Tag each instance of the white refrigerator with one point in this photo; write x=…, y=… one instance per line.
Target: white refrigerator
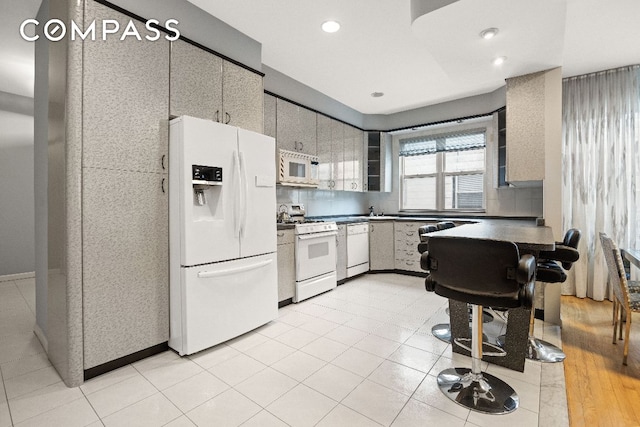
x=222, y=233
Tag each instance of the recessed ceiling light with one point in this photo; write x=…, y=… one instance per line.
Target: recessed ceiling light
x=499, y=60
x=377, y=94
x=330, y=26
x=489, y=33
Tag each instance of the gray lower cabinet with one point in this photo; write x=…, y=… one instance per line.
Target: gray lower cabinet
x=406, y=246
x=381, y=245
x=286, y=265
x=341, y=252
x=295, y=128
x=125, y=99
x=125, y=263
x=206, y=86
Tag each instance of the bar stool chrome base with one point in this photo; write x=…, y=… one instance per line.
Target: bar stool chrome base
x=544, y=351
x=539, y=350
x=479, y=392
x=442, y=331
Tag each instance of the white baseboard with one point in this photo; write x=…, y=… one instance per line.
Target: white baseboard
x=18, y=276
x=43, y=339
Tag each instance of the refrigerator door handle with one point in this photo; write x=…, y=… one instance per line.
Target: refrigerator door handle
x=245, y=192
x=236, y=202
x=229, y=271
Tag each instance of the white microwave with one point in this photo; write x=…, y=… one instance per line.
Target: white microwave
x=297, y=169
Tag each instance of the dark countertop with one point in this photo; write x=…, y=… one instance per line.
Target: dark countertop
x=287, y=226
x=352, y=219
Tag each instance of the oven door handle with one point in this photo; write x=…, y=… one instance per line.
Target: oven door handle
x=317, y=235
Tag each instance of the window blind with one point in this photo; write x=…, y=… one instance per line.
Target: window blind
x=429, y=144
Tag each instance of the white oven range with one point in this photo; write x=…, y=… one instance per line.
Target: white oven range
x=315, y=254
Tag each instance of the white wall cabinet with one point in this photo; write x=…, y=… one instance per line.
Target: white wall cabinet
x=406, y=242
x=381, y=245
x=207, y=86
x=295, y=128
x=286, y=265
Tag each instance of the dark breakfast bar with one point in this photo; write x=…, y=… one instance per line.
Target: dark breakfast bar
x=529, y=239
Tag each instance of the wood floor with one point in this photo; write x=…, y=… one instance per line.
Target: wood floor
x=601, y=391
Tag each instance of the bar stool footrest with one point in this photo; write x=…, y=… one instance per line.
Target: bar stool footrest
x=494, y=349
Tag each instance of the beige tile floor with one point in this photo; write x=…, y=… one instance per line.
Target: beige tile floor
x=361, y=355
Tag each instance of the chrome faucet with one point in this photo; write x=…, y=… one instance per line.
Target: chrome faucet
x=371, y=211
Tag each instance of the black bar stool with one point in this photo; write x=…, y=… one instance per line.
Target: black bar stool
x=482, y=273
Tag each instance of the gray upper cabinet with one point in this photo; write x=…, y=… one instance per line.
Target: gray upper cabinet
x=325, y=170
x=353, y=159
x=125, y=99
x=206, y=86
x=295, y=128
x=270, y=115
x=341, y=155
x=125, y=263
x=337, y=155
x=196, y=82
x=242, y=97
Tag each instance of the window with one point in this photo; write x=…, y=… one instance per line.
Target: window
x=443, y=172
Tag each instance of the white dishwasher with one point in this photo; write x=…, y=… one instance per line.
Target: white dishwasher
x=357, y=248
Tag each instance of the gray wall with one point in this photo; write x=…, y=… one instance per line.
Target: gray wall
x=285, y=86
x=16, y=184
x=41, y=135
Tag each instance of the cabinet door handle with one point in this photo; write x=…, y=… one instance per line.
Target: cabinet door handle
x=355, y=185
x=162, y=185
x=218, y=116
x=280, y=234
x=228, y=116
x=162, y=161
x=372, y=229
x=301, y=146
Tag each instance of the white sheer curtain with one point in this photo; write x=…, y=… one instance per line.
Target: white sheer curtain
x=601, y=170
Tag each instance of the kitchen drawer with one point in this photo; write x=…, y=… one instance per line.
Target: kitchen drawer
x=407, y=253
x=407, y=233
x=407, y=225
x=409, y=265
x=407, y=244
x=285, y=236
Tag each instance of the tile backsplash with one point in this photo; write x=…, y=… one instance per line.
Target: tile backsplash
x=324, y=202
x=507, y=201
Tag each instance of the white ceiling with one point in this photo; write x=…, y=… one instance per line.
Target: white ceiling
x=441, y=56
